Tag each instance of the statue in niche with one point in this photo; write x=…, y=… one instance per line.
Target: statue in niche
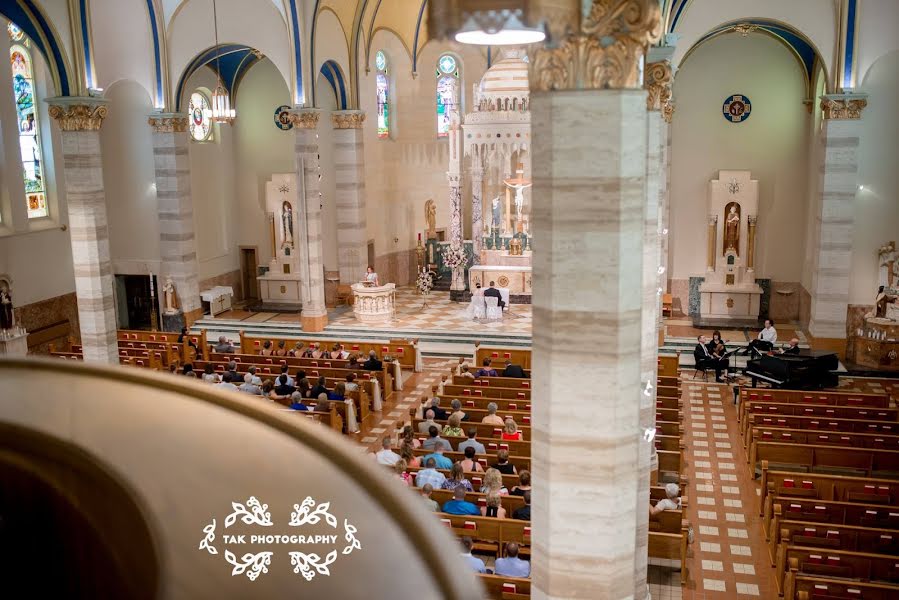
x=888, y=264
x=431, y=218
x=732, y=228
x=287, y=224
x=6, y=316
x=171, y=297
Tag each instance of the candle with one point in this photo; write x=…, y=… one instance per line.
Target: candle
x=419, y=237
x=152, y=287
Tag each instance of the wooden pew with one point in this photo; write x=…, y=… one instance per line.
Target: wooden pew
x=837, y=563
x=520, y=462
x=829, y=536
x=824, y=487
x=482, y=402
x=820, y=424
x=670, y=546
x=485, y=430
x=402, y=350
x=489, y=533
x=502, y=382
x=877, y=441
x=332, y=418
x=823, y=397
x=505, y=588
x=499, y=356
x=492, y=445
x=510, y=503
x=822, y=411
x=807, y=587
x=668, y=365
x=492, y=392
x=865, y=460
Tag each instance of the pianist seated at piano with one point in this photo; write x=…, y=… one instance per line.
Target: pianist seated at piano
x=793, y=348
x=765, y=341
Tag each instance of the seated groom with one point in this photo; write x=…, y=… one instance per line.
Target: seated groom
x=705, y=360
x=492, y=291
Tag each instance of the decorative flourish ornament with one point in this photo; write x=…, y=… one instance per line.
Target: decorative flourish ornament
x=605, y=53
x=744, y=29
x=79, y=117
x=348, y=119
x=843, y=108
x=172, y=123
x=657, y=81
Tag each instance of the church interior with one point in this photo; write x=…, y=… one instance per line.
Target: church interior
x=430, y=263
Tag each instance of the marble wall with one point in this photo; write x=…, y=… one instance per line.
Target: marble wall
x=397, y=267
x=45, y=313
x=805, y=307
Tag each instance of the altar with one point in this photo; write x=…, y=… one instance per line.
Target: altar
x=730, y=292
x=280, y=287
x=374, y=304
x=515, y=279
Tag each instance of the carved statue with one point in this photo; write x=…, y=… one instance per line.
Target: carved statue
x=888, y=264
x=496, y=210
x=287, y=224
x=431, y=218
x=171, y=296
x=6, y=316
x=732, y=229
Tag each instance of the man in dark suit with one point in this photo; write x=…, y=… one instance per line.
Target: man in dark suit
x=513, y=370
x=372, y=364
x=793, y=348
x=492, y=291
x=704, y=359
x=439, y=413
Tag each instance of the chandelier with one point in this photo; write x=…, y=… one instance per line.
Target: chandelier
x=221, y=101
x=502, y=22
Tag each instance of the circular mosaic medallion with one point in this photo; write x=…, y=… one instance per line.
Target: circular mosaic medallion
x=503, y=281
x=737, y=108
x=282, y=118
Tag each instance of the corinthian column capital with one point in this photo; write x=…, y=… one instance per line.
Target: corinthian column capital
x=844, y=106
x=78, y=114
x=305, y=118
x=657, y=81
x=348, y=119
x=605, y=53
x=169, y=122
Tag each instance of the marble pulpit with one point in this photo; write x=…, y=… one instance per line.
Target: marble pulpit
x=281, y=285
x=730, y=292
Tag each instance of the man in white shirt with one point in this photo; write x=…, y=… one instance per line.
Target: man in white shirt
x=475, y=563
x=672, y=502
x=386, y=456
x=226, y=383
x=248, y=387
x=766, y=339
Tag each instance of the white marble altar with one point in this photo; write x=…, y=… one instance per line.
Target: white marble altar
x=374, y=304
x=516, y=279
x=282, y=283
x=730, y=291
x=218, y=298
x=13, y=342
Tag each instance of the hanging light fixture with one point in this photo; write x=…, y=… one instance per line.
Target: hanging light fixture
x=221, y=101
x=502, y=22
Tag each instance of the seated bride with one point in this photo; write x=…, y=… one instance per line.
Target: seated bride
x=477, y=309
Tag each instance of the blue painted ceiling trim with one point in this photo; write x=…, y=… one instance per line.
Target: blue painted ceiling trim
x=331, y=70
x=86, y=43
x=157, y=54
x=312, y=44
x=850, y=44
x=677, y=10
x=354, y=72
x=234, y=60
x=298, y=57
x=421, y=13
x=29, y=19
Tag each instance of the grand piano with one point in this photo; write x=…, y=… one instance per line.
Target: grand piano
x=810, y=369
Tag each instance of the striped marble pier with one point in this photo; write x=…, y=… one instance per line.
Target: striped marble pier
x=349, y=167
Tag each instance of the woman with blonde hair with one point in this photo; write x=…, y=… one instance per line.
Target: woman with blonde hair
x=399, y=468
x=493, y=483
x=494, y=506
x=408, y=455
x=510, y=431
x=454, y=426
x=456, y=479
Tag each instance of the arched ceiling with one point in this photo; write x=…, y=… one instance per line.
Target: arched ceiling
x=170, y=7
x=229, y=61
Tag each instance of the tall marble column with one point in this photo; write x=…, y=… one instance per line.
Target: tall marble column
x=835, y=214
x=177, y=241
x=349, y=165
x=314, y=316
x=456, y=239
x=657, y=81
x=477, y=206
x=79, y=121
x=589, y=132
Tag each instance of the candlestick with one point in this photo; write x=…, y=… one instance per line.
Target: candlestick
x=152, y=287
x=419, y=237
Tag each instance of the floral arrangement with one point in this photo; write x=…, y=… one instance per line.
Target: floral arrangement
x=455, y=256
x=424, y=283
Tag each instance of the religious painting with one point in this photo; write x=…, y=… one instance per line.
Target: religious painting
x=287, y=224
x=731, y=228
x=447, y=93
x=382, y=85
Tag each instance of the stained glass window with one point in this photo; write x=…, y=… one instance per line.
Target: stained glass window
x=382, y=80
x=447, y=93
x=29, y=131
x=200, y=117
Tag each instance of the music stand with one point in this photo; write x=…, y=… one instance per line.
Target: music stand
x=727, y=355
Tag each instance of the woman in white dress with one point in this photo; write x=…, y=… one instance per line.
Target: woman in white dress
x=371, y=278
x=477, y=309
